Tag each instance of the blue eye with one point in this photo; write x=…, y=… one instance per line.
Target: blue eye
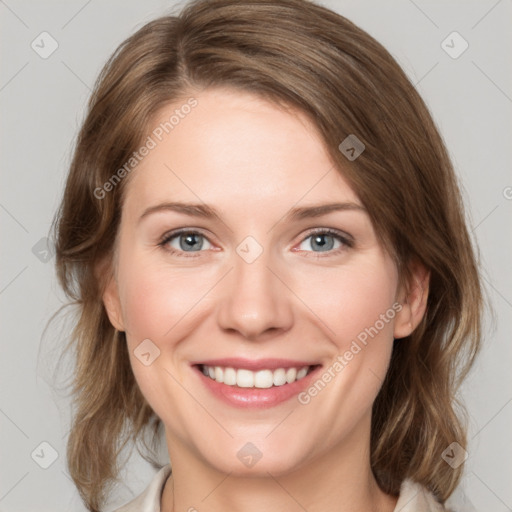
x=324, y=241
x=186, y=241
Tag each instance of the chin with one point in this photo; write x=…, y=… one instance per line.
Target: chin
x=250, y=460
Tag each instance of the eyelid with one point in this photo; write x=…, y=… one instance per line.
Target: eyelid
x=169, y=235
x=345, y=237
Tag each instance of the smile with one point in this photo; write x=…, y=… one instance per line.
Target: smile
x=262, y=379
x=245, y=383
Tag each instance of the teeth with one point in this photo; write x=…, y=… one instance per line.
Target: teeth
x=248, y=379
x=230, y=376
x=264, y=379
x=302, y=373
x=291, y=375
x=244, y=379
x=279, y=377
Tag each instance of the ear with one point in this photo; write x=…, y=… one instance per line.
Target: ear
x=413, y=297
x=111, y=298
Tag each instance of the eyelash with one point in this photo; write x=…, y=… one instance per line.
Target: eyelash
x=340, y=236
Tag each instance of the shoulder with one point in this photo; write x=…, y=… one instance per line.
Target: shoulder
x=414, y=497
x=149, y=500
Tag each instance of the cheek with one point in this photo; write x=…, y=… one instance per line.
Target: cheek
x=160, y=304
x=352, y=301
x=159, y=301
x=151, y=304
x=356, y=308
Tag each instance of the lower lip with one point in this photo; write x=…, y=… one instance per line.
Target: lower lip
x=256, y=397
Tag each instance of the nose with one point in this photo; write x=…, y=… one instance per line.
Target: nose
x=255, y=303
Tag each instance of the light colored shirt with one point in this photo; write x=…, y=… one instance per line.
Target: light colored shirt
x=413, y=497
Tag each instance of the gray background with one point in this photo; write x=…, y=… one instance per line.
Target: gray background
x=42, y=102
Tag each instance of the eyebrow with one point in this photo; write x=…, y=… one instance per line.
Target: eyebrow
x=208, y=212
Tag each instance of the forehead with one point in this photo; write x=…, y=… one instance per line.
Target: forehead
x=236, y=146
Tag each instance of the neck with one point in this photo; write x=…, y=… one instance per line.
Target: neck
x=338, y=481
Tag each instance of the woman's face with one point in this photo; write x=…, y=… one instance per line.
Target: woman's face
x=263, y=284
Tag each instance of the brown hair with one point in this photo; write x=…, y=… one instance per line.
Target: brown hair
x=296, y=53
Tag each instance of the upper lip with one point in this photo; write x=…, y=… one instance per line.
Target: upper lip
x=255, y=364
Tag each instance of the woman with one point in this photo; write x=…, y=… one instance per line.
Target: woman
x=264, y=236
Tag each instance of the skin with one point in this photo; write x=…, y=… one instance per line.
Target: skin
x=253, y=161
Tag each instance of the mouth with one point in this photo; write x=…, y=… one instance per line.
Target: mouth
x=261, y=379
x=264, y=383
